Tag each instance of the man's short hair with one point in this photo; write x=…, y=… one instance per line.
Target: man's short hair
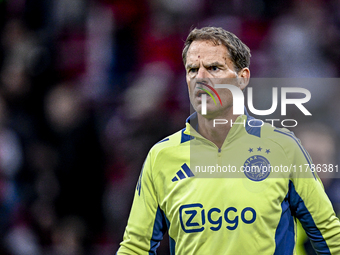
x=238, y=51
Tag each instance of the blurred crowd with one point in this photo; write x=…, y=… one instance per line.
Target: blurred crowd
x=88, y=86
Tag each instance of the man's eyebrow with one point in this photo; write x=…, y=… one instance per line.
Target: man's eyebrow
x=189, y=66
x=215, y=64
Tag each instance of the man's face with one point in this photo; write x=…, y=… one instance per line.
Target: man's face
x=210, y=64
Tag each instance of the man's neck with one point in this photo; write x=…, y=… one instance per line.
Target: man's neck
x=215, y=133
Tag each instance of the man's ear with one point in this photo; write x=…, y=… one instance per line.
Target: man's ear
x=243, y=78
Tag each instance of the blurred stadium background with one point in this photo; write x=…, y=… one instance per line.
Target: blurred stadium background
x=88, y=86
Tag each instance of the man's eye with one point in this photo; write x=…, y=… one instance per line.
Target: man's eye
x=214, y=68
x=193, y=70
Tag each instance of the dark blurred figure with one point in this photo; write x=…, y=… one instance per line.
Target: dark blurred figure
x=11, y=161
x=68, y=237
x=79, y=169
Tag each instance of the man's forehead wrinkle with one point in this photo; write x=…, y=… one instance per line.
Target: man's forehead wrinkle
x=208, y=45
x=208, y=60
x=207, y=50
x=206, y=54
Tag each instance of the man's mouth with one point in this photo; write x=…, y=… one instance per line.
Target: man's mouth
x=200, y=92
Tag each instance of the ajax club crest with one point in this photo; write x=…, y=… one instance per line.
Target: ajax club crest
x=256, y=168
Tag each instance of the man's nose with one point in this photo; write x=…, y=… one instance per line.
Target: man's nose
x=202, y=73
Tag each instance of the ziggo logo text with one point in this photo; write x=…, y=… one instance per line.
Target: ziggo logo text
x=193, y=217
